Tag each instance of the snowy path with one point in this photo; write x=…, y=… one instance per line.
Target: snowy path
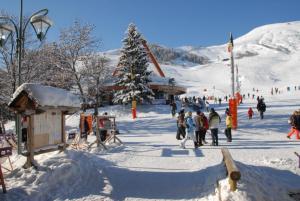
x=151, y=165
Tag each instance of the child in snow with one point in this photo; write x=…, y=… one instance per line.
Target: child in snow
x=228, y=127
x=250, y=113
x=295, y=125
x=190, y=129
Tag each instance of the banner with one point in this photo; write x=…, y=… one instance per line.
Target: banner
x=233, y=112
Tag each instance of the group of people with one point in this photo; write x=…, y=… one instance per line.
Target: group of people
x=194, y=128
x=104, y=125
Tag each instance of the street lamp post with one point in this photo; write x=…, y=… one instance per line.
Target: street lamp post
x=41, y=24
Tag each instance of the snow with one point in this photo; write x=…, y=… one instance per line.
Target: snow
x=152, y=166
x=49, y=96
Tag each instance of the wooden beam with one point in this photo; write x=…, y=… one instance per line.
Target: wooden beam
x=2, y=180
x=233, y=173
x=30, y=141
x=63, y=121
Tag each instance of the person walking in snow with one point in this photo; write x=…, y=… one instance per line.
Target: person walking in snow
x=173, y=108
x=261, y=107
x=295, y=125
x=204, y=128
x=214, y=121
x=228, y=127
x=181, y=125
x=198, y=125
x=190, y=129
x=207, y=106
x=250, y=113
x=227, y=111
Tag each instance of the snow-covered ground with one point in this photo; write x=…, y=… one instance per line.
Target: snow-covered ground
x=151, y=165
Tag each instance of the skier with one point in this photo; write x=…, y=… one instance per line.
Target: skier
x=261, y=107
x=220, y=100
x=190, y=128
x=181, y=125
x=295, y=125
x=214, y=122
x=250, y=113
x=228, y=127
x=173, y=108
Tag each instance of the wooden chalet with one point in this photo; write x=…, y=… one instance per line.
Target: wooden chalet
x=162, y=86
x=45, y=108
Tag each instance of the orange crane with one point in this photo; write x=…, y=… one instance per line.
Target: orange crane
x=160, y=72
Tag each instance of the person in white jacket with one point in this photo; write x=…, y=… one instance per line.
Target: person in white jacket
x=214, y=121
x=190, y=130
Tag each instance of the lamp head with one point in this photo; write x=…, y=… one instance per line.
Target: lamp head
x=5, y=33
x=41, y=25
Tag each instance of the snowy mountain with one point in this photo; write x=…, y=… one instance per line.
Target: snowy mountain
x=266, y=57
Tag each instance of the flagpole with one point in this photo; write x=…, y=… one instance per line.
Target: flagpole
x=233, y=100
x=237, y=79
x=232, y=72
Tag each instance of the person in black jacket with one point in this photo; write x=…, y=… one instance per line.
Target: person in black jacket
x=173, y=108
x=261, y=107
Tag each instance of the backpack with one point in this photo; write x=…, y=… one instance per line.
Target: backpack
x=296, y=121
x=205, y=123
x=263, y=107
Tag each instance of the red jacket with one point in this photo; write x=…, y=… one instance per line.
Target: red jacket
x=250, y=112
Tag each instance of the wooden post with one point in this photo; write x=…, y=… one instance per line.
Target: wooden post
x=114, y=129
x=2, y=180
x=98, y=140
x=30, y=145
x=63, y=122
x=233, y=173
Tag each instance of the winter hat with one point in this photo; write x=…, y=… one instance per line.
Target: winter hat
x=212, y=109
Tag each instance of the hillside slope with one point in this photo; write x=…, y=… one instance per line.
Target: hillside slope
x=266, y=57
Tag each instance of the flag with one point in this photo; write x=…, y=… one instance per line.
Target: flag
x=230, y=43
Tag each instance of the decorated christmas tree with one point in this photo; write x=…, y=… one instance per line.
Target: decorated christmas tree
x=133, y=75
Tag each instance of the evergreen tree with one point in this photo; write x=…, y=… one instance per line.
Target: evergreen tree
x=133, y=73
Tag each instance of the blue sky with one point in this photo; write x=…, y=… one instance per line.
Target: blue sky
x=172, y=23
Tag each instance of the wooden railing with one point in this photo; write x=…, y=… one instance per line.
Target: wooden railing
x=232, y=171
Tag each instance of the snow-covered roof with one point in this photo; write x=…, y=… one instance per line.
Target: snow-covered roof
x=48, y=96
